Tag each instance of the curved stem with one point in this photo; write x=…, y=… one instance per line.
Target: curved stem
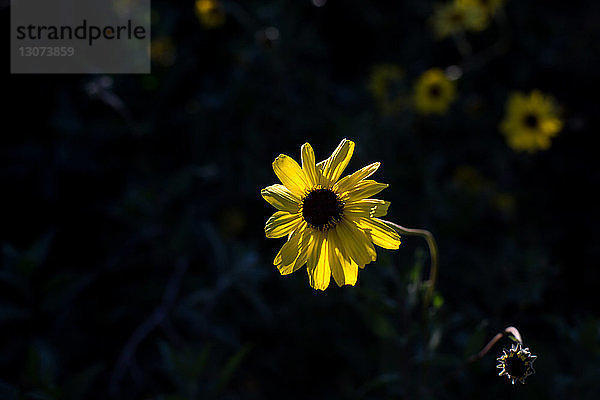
x=433, y=252
x=510, y=330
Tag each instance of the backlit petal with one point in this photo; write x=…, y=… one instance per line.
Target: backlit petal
x=344, y=270
x=282, y=223
x=308, y=165
x=337, y=162
x=381, y=234
x=281, y=198
x=289, y=251
x=367, y=208
x=348, y=182
x=306, y=245
x=350, y=271
x=294, y=252
x=355, y=242
x=363, y=190
x=319, y=271
x=291, y=175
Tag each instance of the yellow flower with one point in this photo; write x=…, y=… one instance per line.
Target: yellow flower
x=530, y=121
x=434, y=92
x=490, y=6
x=458, y=16
x=386, y=86
x=331, y=224
x=210, y=13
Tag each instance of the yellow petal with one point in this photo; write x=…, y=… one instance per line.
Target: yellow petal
x=363, y=189
x=344, y=270
x=308, y=165
x=348, y=182
x=306, y=246
x=291, y=175
x=281, y=198
x=355, y=242
x=281, y=223
x=336, y=163
x=294, y=252
x=321, y=166
x=289, y=251
x=350, y=271
x=319, y=271
x=367, y=208
x=380, y=233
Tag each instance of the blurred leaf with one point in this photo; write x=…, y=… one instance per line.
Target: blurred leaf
x=232, y=365
x=79, y=385
x=8, y=391
x=590, y=336
x=380, y=381
x=39, y=395
x=10, y=313
x=36, y=254
x=41, y=366
x=187, y=365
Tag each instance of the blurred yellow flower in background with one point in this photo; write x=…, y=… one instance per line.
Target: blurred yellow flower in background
x=490, y=6
x=531, y=121
x=470, y=180
x=162, y=51
x=387, y=86
x=458, y=16
x=211, y=13
x=434, y=92
x=331, y=224
x=472, y=183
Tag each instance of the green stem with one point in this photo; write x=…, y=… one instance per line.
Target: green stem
x=433, y=252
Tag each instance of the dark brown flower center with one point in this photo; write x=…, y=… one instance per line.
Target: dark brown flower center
x=456, y=17
x=435, y=91
x=515, y=367
x=531, y=121
x=322, y=209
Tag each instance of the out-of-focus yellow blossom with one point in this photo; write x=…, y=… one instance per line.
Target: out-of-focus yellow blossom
x=491, y=6
x=531, y=121
x=504, y=202
x=470, y=180
x=211, y=13
x=473, y=184
x=387, y=86
x=458, y=16
x=162, y=51
x=434, y=92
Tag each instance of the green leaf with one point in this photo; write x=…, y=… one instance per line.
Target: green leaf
x=232, y=365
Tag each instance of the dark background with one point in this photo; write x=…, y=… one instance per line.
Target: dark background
x=134, y=263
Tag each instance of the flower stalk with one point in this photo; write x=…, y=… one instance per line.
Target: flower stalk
x=433, y=254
